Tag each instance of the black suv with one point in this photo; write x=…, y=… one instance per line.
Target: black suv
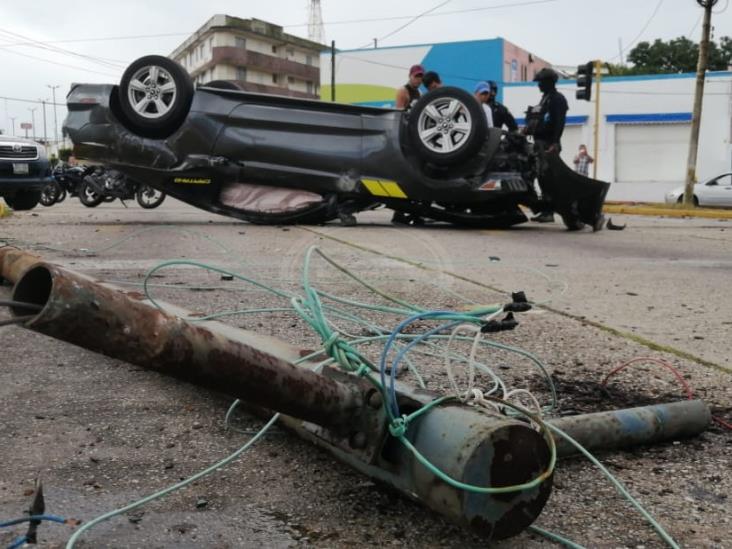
x=24, y=171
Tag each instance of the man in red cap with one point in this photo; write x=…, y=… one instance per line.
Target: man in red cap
x=409, y=92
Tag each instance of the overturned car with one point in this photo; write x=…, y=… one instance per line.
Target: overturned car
x=273, y=160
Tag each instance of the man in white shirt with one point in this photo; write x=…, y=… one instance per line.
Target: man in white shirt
x=482, y=94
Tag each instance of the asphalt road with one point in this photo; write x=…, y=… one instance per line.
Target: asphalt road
x=104, y=433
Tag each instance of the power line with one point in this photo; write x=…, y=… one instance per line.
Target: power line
x=412, y=20
x=63, y=51
x=59, y=64
x=648, y=23
x=31, y=101
x=439, y=14
x=341, y=22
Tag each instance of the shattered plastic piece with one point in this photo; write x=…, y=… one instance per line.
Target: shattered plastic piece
x=613, y=227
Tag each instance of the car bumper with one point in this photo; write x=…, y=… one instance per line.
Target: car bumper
x=15, y=184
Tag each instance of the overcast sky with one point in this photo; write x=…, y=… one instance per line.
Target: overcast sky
x=565, y=32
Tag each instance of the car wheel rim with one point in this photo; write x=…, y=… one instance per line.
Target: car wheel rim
x=89, y=194
x=444, y=125
x=152, y=92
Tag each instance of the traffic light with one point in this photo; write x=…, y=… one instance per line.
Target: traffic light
x=584, y=81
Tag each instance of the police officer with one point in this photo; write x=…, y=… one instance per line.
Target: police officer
x=553, y=110
x=553, y=115
x=501, y=115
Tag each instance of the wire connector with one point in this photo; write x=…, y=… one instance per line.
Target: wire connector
x=519, y=303
x=493, y=326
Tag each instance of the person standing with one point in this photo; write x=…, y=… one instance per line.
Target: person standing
x=431, y=80
x=550, y=127
x=409, y=92
x=482, y=93
x=582, y=161
x=501, y=115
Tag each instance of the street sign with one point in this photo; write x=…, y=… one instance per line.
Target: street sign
x=26, y=126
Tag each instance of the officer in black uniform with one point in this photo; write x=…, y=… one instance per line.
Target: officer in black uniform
x=501, y=115
x=553, y=115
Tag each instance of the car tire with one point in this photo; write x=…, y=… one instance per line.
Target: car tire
x=88, y=196
x=155, y=95
x=24, y=200
x=447, y=126
x=149, y=197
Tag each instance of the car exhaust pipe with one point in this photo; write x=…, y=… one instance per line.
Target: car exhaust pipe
x=338, y=411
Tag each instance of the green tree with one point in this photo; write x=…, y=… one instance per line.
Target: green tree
x=674, y=56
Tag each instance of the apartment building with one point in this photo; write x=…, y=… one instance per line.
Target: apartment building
x=257, y=54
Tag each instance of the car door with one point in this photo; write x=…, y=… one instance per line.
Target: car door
x=717, y=192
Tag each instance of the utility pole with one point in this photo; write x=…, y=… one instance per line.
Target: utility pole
x=598, y=77
x=701, y=69
x=332, y=70
x=33, y=121
x=55, y=117
x=45, y=132
x=376, y=43
x=12, y=121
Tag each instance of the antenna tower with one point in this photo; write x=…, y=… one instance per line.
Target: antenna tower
x=316, y=30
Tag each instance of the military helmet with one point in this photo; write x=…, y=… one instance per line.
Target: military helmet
x=546, y=74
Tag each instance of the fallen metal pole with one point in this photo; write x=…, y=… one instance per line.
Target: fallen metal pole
x=336, y=410
x=123, y=325
x=634, y=426
x=14, y=262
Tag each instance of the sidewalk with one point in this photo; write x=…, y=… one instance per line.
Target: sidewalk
x=660, y=209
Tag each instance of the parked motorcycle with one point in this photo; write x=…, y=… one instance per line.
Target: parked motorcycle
x=66, y=182
x=106, y=185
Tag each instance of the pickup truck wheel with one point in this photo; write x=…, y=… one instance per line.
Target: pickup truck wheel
x=155, y=95
x=24, y=200
x=447, y=126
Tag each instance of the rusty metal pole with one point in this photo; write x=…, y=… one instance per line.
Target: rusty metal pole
x=124, y=325
x=634, y=426
x=14, y=262
x=336, y=410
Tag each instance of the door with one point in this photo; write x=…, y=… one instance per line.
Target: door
x=651, y=152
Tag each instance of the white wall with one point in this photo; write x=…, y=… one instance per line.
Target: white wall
x=646, y=95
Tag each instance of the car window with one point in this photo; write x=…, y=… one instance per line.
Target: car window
x=725, y=179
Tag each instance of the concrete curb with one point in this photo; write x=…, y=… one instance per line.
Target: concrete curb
x=661, y=210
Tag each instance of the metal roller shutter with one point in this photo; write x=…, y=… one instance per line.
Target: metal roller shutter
x=651, y=152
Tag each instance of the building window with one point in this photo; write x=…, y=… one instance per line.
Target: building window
x=290, y=52
x=241, y=42
x=308, y=59
x=274, y=79
x=309, y=86
x=241, y=74
x=274, y=49
x=210, y=45
x=290, y=79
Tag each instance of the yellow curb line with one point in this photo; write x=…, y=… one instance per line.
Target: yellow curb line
x=668, y=212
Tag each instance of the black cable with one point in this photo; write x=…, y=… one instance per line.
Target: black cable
x=20, y=304
x=16, y=320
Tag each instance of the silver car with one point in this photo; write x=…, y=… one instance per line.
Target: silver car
x=715, y=192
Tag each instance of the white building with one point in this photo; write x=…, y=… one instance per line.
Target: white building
x=257, y=54
x=644, y=129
